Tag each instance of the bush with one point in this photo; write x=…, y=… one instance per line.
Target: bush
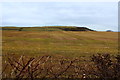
x=100, y=66
x=106, y=68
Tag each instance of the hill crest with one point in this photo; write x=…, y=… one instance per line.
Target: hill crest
x=48, y=28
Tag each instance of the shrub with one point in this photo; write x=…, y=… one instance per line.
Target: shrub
x=100, y=66
x=106, y=67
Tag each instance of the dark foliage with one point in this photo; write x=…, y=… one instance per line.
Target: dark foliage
x=100, y=66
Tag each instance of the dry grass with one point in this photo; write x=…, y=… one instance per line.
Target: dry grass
x=66, y=43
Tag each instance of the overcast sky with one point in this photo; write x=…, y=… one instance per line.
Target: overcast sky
x=100, y=16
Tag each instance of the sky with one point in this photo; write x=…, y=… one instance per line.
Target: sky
x=100, y=16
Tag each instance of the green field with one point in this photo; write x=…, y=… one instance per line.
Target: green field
x=58, y=42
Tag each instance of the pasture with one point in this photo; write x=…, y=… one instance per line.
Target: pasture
x=64, y=43
x=29, y=52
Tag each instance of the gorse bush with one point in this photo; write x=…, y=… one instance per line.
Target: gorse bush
x=117, y=66
x=101, y=66
x=106, y=68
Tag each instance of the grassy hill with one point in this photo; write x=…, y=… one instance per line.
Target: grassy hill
x=60, y=51
x=48, y=28
x=66, y=43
